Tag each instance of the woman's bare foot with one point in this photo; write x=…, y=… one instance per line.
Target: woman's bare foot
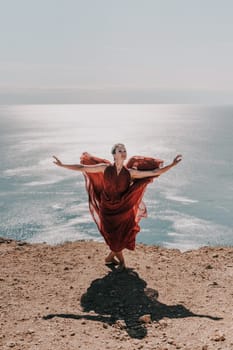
x=110, y=259
x=121, y=259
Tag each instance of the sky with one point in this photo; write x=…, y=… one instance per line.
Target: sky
x=108, y=51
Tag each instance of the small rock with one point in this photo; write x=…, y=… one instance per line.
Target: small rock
x=218, y=337
x=209, y=267
x=105, y=325
x=163, y=323
x=5, y=240
x=72, y=334
x=120, y=324
x=214, y=284
x=145, y=318
x=204, y=347
x=21, y=243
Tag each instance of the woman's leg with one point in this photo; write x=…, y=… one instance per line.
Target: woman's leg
x=110, y=258
x=120, y=257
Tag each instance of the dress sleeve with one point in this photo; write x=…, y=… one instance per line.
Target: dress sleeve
x=94, y=181
x=144, y=163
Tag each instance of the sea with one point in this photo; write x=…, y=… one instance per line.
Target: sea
x=188, y=207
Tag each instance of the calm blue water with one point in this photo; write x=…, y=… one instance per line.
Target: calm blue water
x=188, y=207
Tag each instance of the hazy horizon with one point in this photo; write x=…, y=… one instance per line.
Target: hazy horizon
x=128, y=51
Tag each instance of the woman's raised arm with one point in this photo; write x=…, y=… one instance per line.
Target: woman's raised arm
x=140, y=174
x=98, y=168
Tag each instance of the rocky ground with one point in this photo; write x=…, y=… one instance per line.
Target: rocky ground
x=64, y=297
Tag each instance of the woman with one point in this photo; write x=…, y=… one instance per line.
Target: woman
x=115, y=195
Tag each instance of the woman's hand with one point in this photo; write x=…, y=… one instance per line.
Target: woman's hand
x=177, y=159
x=57, y=162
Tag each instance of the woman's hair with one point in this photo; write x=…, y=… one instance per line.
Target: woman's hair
x=114, y=147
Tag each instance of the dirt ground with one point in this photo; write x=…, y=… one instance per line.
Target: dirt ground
x=64, y=297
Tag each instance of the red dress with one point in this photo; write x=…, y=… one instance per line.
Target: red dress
x=115, y=201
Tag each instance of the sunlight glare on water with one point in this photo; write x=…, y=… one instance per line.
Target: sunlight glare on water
x=188, y=207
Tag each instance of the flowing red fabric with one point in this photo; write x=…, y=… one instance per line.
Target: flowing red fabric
x=115, y=201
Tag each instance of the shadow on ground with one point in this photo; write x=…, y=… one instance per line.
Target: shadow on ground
x=124, y=296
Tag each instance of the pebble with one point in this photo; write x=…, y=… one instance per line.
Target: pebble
x=120, y=324
x=21, y=243
x=218, y=337
x=5, y=240
x=163, y=323
x=209, y=267
x=30, y=331
x=145, y=318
